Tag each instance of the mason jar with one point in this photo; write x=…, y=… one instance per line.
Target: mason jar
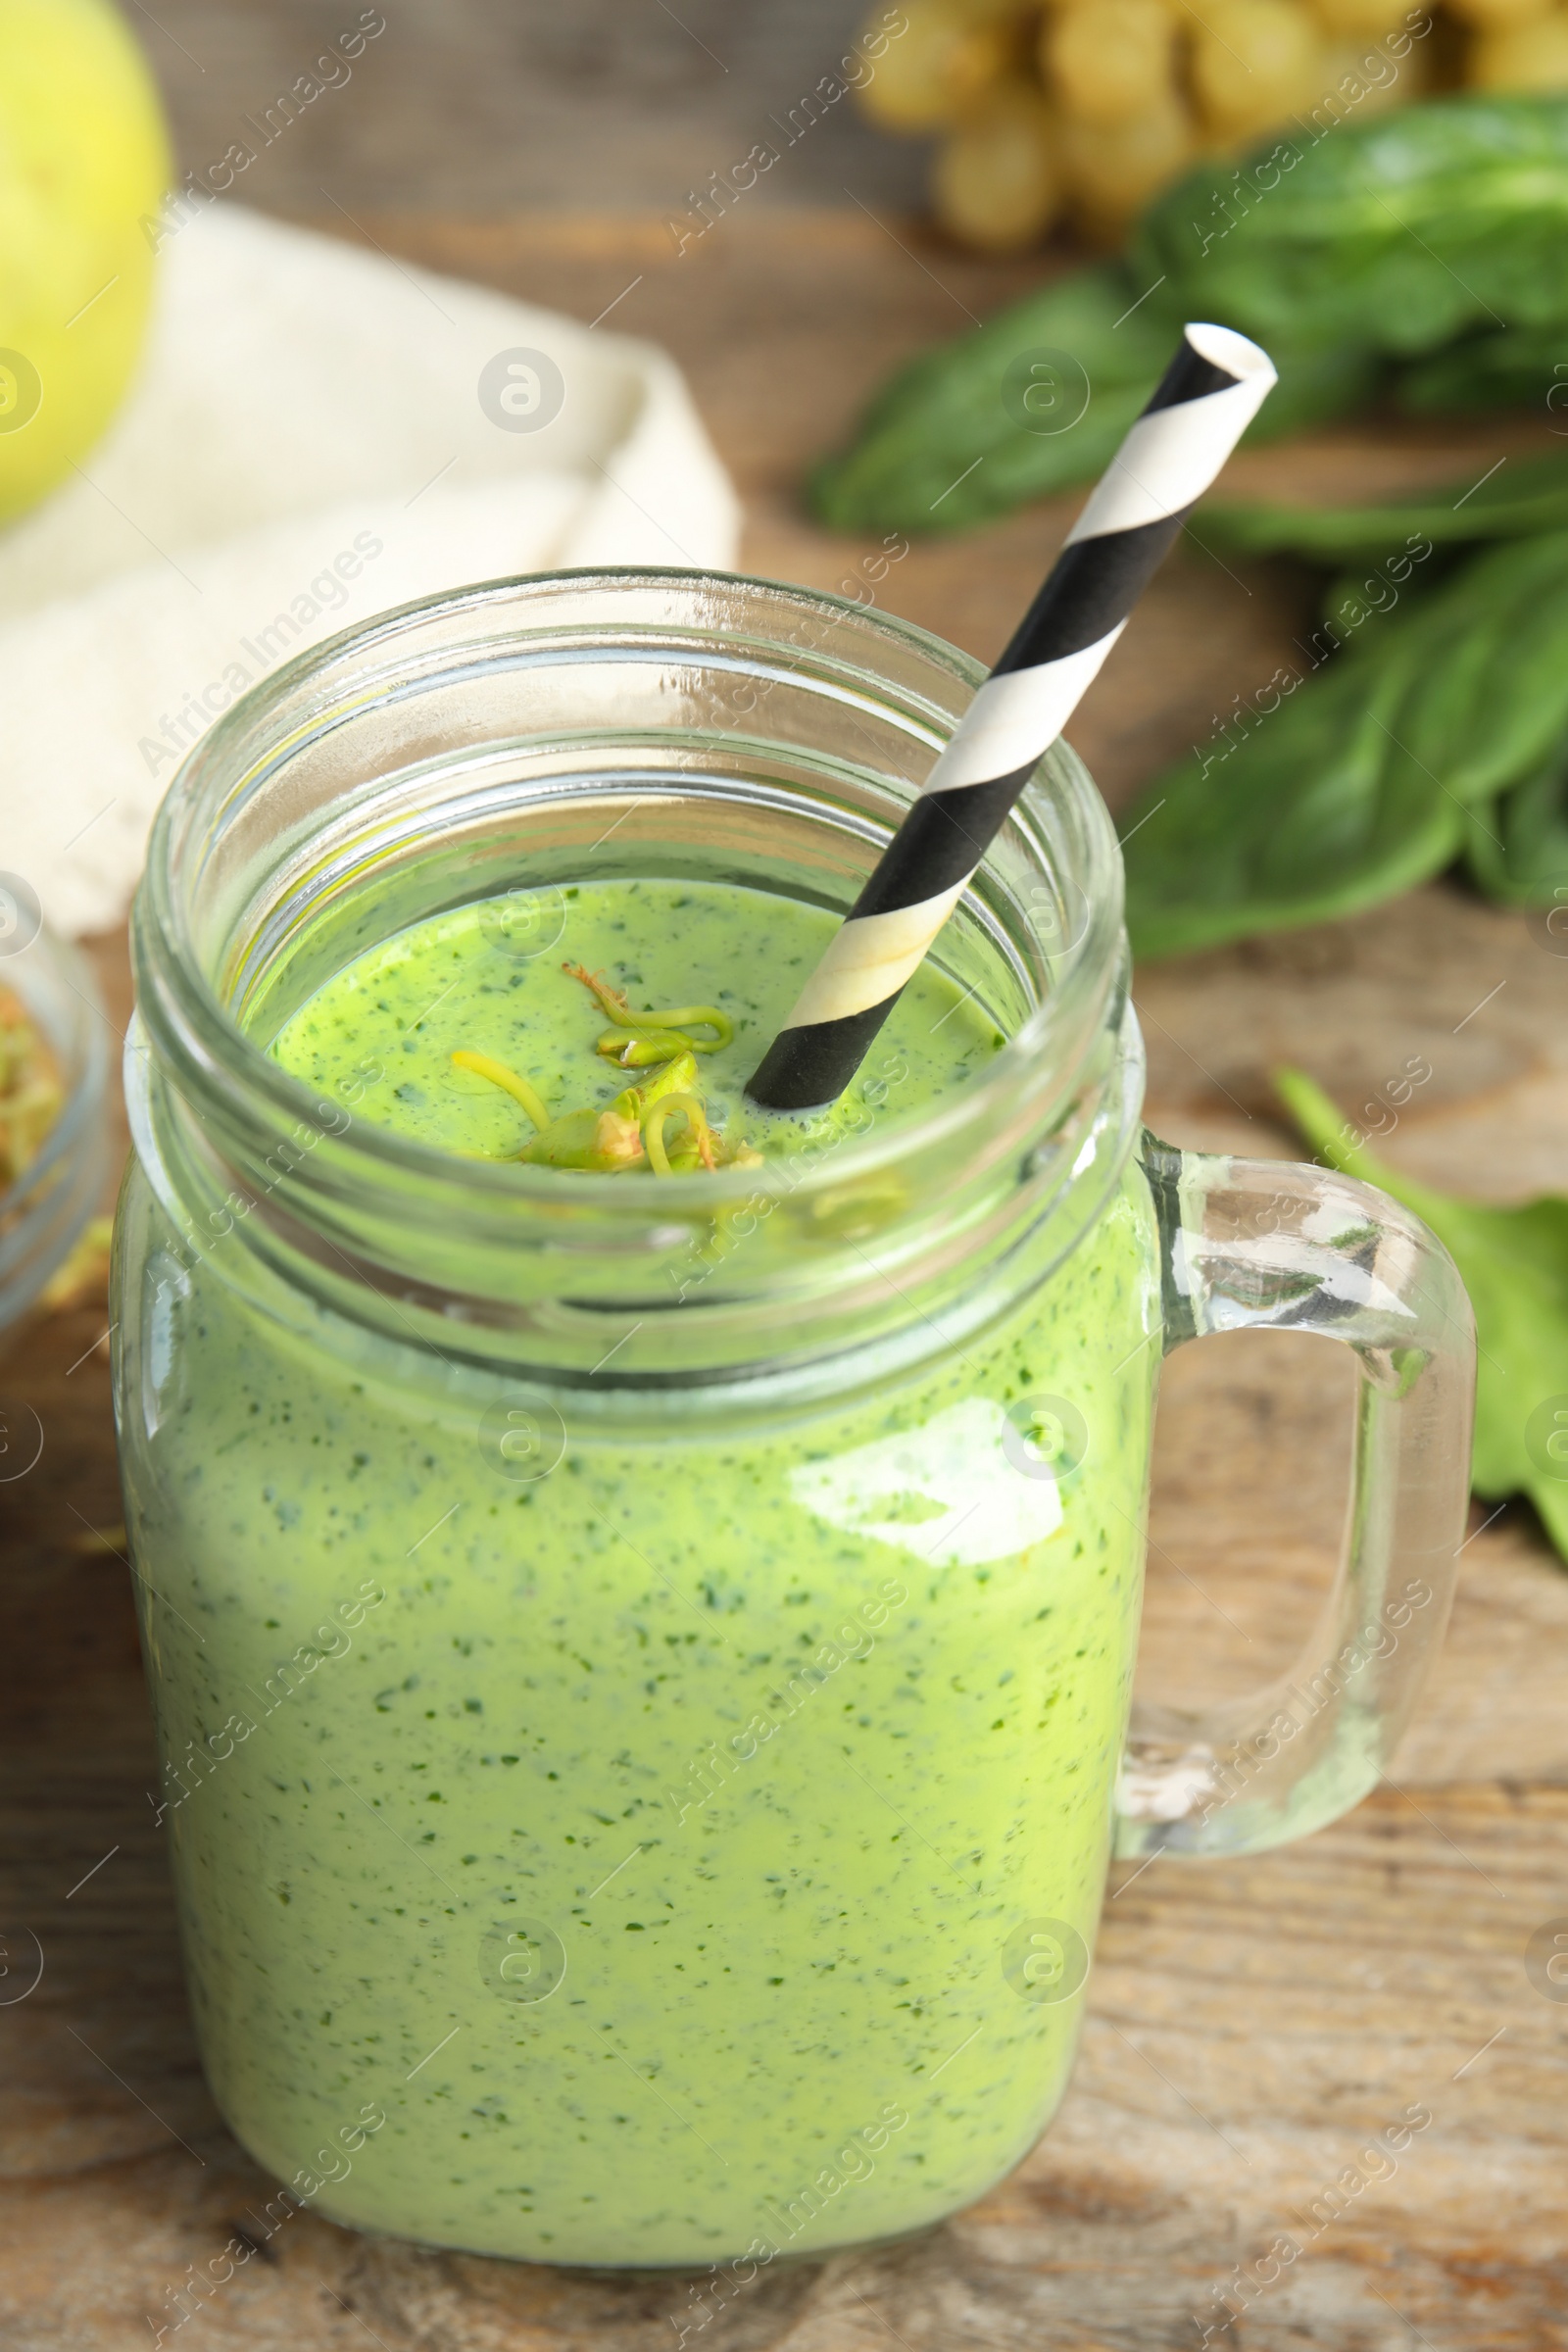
x=642, y=1666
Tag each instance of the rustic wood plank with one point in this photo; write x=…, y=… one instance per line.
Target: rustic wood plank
x=1251, y=2024
x=460, y=103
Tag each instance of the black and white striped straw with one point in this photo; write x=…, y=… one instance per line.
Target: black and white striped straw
x=1209, y=394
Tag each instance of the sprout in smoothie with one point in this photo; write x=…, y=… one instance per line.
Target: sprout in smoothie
x=602, y=1141
x=673, y=1089
x=696, y=1148
x=638, y=1039
x=678, y=1076
x=485, y=1065
x=638, y=1049
x=629, y=1131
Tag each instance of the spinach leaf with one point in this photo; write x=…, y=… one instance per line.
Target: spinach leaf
x=1395, y=233
x=1488, y=699
x=1370, y=778
x=1522, y=495
x=1346, y=255
x=1514, y=1265
x=1508, y=367
x=1519, y=854
x=962, y=433
x=1317, y=812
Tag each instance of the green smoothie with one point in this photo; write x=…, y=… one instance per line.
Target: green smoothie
x=686, y=1844
x=478, y=981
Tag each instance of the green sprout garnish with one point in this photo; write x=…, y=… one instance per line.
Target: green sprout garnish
x=635, y=1050
x=629, y=1131
x=640, y=1038
x=696, y=1147
x=603, y=1141
x=677, y=1077
x=485, y=1065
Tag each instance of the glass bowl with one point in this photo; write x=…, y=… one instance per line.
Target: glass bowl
x=43, y=1212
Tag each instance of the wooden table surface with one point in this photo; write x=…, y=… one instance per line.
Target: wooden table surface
x=1252, y=2024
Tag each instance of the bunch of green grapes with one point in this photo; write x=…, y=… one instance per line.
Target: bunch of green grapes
x=1089, y=107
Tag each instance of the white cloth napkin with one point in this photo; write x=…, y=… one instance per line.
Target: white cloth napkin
x=313, y=437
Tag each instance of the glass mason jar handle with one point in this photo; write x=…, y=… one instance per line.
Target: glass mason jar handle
x=1248, y=1243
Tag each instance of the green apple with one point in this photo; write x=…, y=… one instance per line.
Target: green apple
x=83, y=165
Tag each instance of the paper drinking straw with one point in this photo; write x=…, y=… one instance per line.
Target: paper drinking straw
x=1209, y=394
